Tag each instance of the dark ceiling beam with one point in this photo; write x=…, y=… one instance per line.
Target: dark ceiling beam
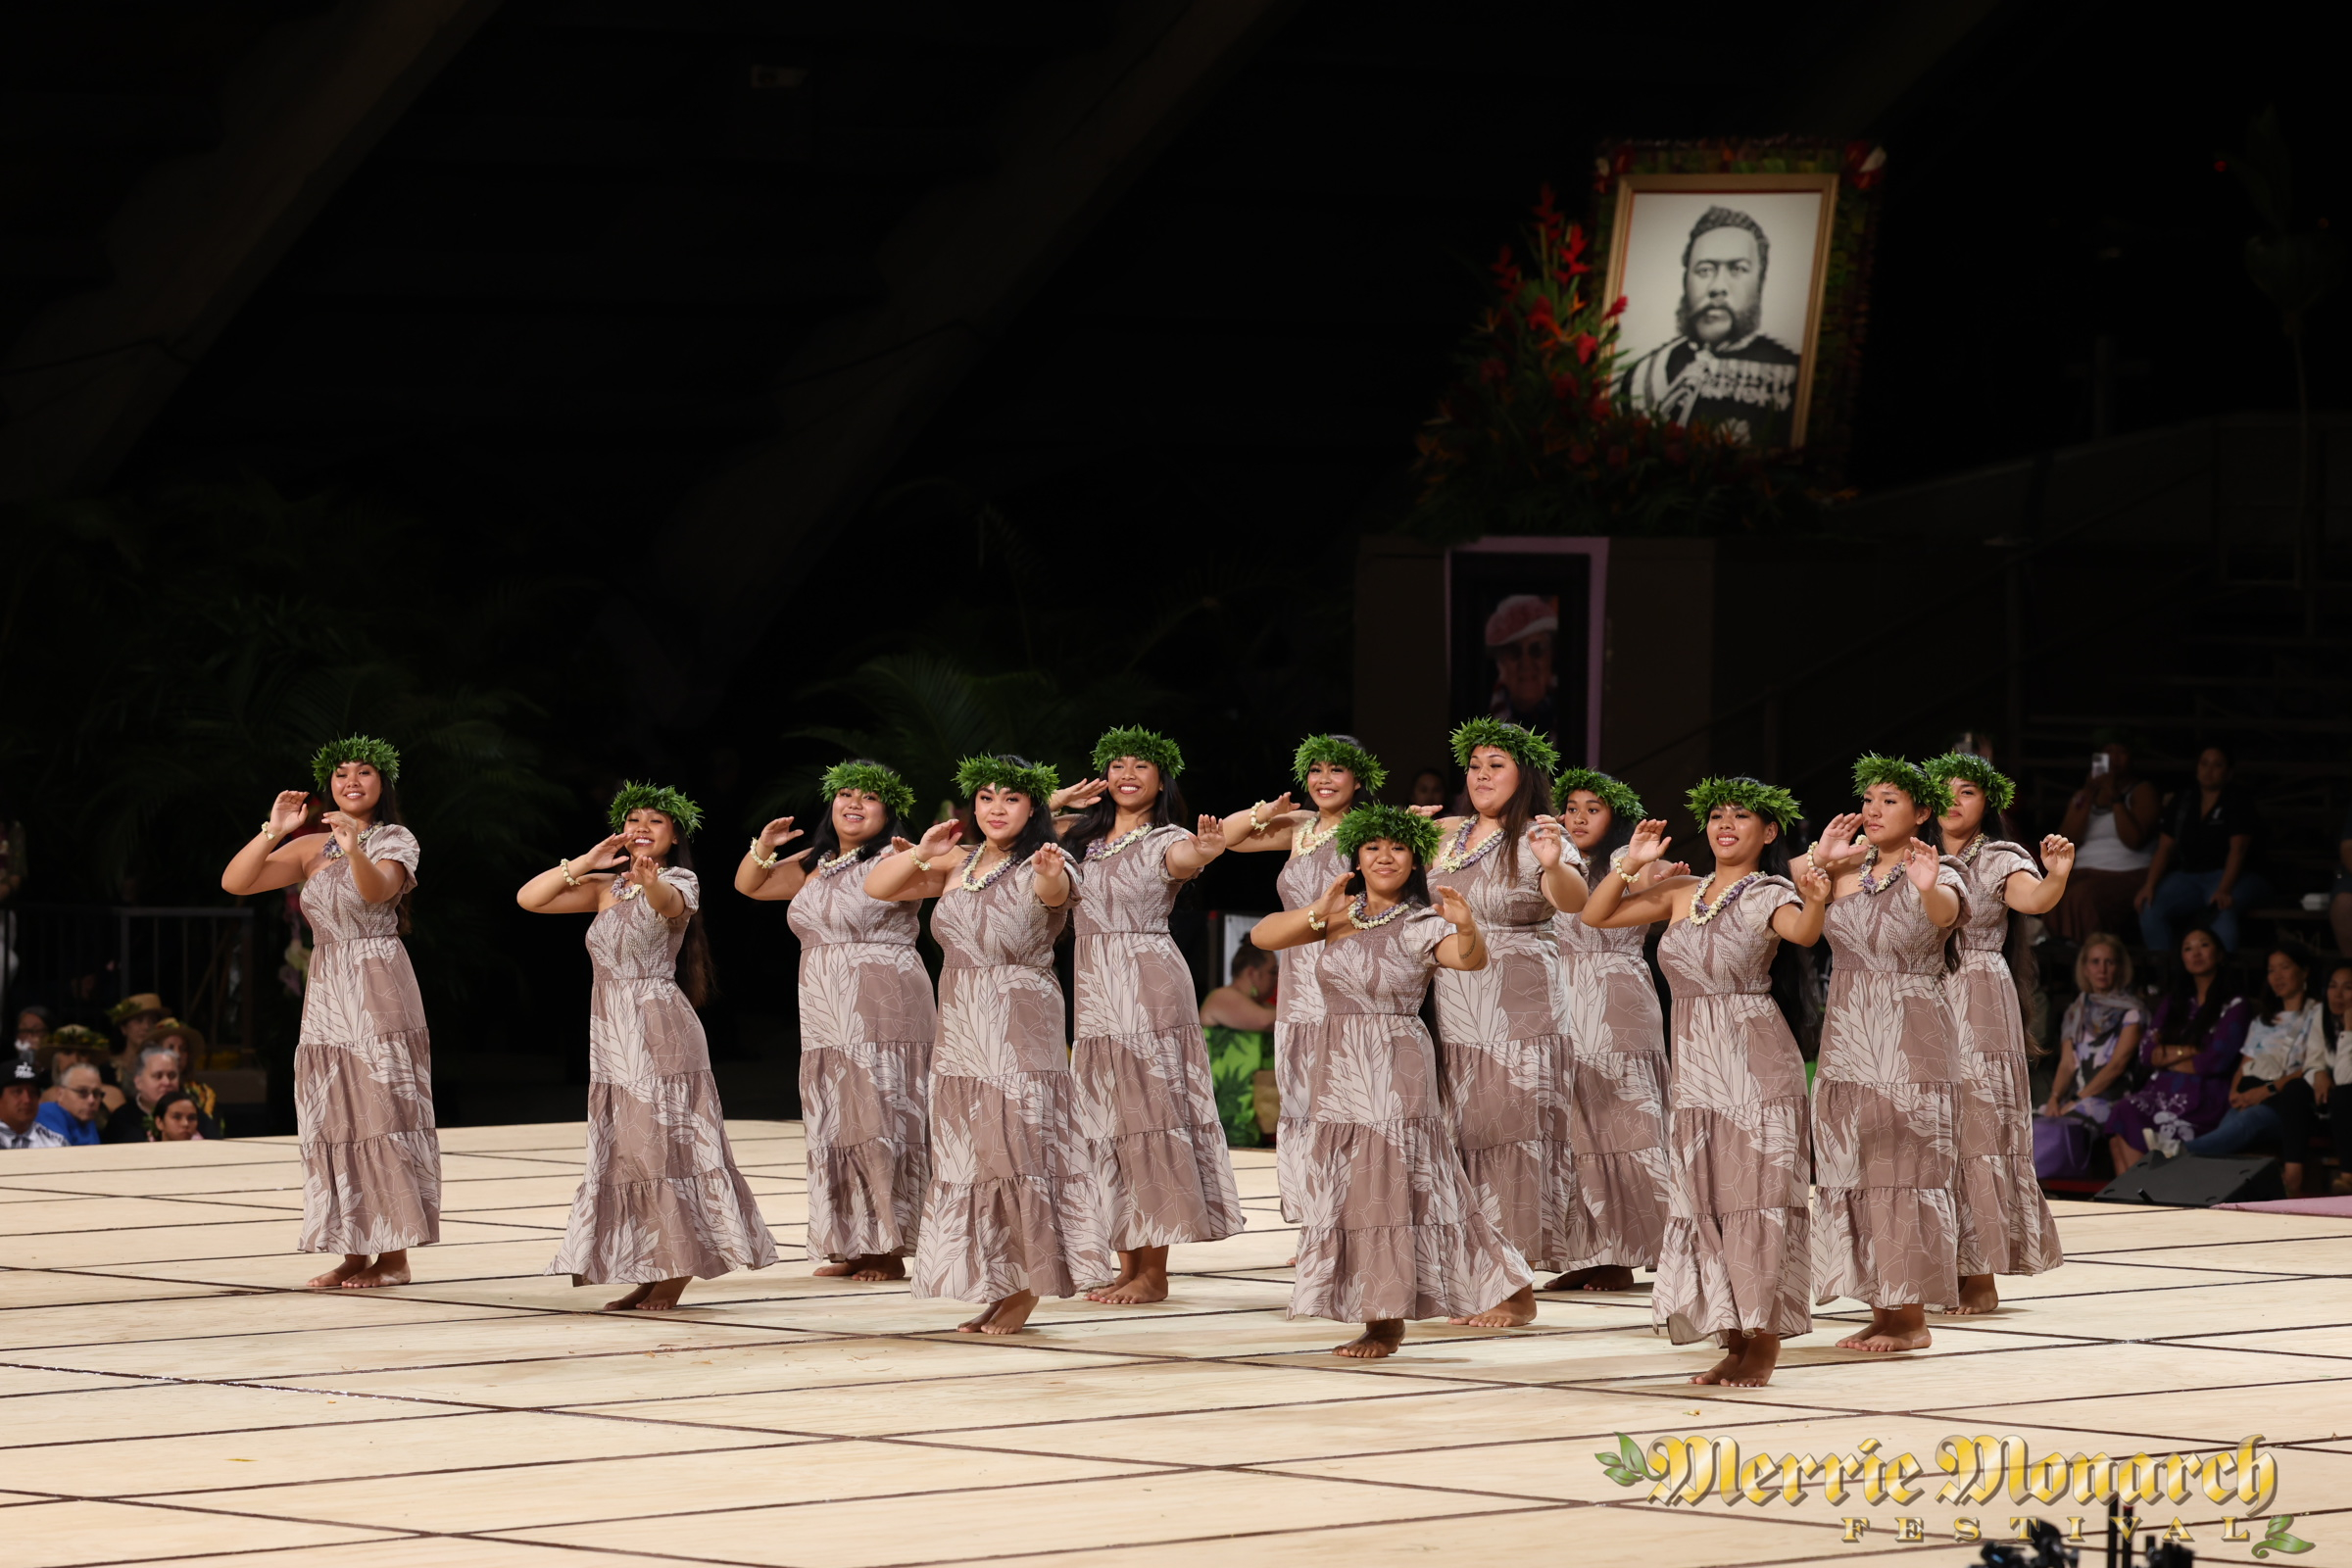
x=198, y=234
x=958, y=268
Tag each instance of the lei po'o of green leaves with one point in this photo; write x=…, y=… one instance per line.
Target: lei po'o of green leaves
x=1526, y=747
x=1909, y=777
x=682, y=812
x=1615, y=792
x=868, y=778
x=1037, y=780
x=1149, y=745
x=1332, y=749
x=376, y=754
x=1365, y=823
x=1998, y=787
x=1767, y=800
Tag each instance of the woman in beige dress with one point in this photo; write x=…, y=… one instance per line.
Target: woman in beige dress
x=1736, y=1263
x=1616, y=1093
x=866, y=1023
x=1390, y=1226
x=1507, y=1056
x=1014, y=1211
x=661, y=1201
x=1890, y=1086
x=1337, y=775
x=1146, y=1105
x=364, y=1068
x=2010, y=1230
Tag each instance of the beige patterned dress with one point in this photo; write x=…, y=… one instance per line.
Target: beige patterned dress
x=1147, y=1107
x=1506, y=1060
x=1886, y=1103
x=2009, y=1229
x=1297, y=1001
x=661, y=1198
x=1013, y=1204
x=1616, y=1096
x=866, y=1027
x=1389, y=1225
x=1738, y=1254
x=364, y=1068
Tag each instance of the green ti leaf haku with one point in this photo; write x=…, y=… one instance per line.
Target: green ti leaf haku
x=1909, y=777
x=1365, y=823
x=1616, y=793
x=380, y=755
x=1767, y=800
x=868, y=778
x=1369, y=774
x=639, y=797
x=1149, y=745
x=1526, y=747
x=1038, y=780
x=1998, y=787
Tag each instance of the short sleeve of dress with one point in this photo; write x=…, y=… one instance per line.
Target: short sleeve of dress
x=393, y=842
x=689, y=886
x=1162, y=840
x=1424, y=931
x=1763, y=898
x=2004, y=860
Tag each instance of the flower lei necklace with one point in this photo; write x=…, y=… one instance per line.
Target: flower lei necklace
x=983, y=885
x=1968, y=857
x=1701, y=911
x=1355, y=915
x=1306, y=841
x=334, y=845
x=1105, y=849
x=1892, y=877
x=849, y=857
x=1458, y=856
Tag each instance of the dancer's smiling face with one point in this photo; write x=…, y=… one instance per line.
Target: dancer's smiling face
x=1492, y=779
x=1134, y=783
x=646, y=832
x=1739, y=835
x=1387, y=866
x=1887, y=816
x=1331, y=786
x=356, y=788
x=1001, y=813
x=1586, y=817
x=858, y=817
x=1969, y=809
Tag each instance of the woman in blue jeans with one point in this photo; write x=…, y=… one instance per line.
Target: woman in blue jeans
x=2271, y=1095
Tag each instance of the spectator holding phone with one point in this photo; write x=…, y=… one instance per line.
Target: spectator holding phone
x=2113, y=820
x=2202, y=873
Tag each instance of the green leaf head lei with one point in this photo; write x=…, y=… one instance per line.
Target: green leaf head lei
x=376, y=754
x=1615, y=792
x=1767, y=800
x=1527, y=748
x=1909, y=777
x=868, y=778
x=1038, y=780
x=682, y=812
x=1407, y=827
x=1369, y=774
x=1998, y=787
x=1129, y=741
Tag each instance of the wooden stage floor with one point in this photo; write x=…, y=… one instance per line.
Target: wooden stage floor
x=167, y=1394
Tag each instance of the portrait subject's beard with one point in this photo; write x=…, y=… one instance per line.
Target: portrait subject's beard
x=1744, y=323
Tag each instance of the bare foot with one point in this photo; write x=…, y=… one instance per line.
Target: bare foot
x=834, y=1271
x=1007, y=1317
x=352, y=1263
x=1143, y=1277
x=1514, y=1311
x=1978, y=1293
x=1721, y=1371
x=1604, y=1277
x=1891, y=1327
x=389, y=1268
x=658, y=1295
x=880, y=1266
x=1291, y=1261
x=1380, y=1338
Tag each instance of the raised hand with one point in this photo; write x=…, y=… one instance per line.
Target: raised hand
x=1083, y=794
x=1427, y=810
x=1209, y=842
x=644, y=869
x=1544, y=838
x=1812, y=883
x=1665, y=871
x=1455, y=909
x=1048, y=860
x=899, y=846
x=777, y=834
x=2057, y=853
x=288, y=812
x=607, y=855
x=938, y=839
x=1647, y=845
x=1841, y=847
x=1273, y=810
x=1920, y=864
x=344, y=829
x=1334, y=899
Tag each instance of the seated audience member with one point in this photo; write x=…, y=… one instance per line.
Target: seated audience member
x=2099, y=1036
x=19, y=1109
x=2113, y=821
x=1238, y=1023
x=2204, y=866
x=74, y=1044
x=32, y=1032
x=155, y=1075
x=134, y=1017
x=74, y=1104
x=175, y=1119
x=2340, y=907
x=188, y=1041
x=2190, y=1052
x=2331, y=1064
x=2271, y=1097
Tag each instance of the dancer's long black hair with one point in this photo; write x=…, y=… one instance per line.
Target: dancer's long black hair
x=825, y=842
x=1036, y=833
x=1098, y=819
x=697, y=977
x=1531, y=800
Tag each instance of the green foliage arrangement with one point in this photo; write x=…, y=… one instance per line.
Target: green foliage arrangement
x=1615, y=792
x=378, y=755
x=1369, y=774
x=1399, y=823
x=1147, y=745
x=1909, y=777
x=1038, y=781
x=868, y=778
x=1998, y=787
x=1767, y=800
x=1527, y=748
x=637, y=797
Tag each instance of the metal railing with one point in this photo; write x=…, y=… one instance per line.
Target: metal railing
x=81, y=959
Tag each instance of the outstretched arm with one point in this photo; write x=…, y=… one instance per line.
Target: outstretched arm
x=1266, y=825
x=1296, y=928
x=1465, y=949
x=1614, y=905
x=921, y=871
x=1563, y=888
x=1924, y=868
x=574, y=885
x=2028, y=894
x=763, y=874
x=1189, y=858
x=270, y=859
x=1801, y=923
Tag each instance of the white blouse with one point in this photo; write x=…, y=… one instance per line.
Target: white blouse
x=2288, y=1042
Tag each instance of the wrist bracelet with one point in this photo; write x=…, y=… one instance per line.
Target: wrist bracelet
x=1257, y=823
x=269, y=834
x=920, y=864
x=768, y=863
x=564, y=867
x=1315, y=921
x=1629, y=876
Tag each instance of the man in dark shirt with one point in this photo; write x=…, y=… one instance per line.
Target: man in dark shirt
x=2203, y=872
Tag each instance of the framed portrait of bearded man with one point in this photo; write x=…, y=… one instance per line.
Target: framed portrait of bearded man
x=1723, y=277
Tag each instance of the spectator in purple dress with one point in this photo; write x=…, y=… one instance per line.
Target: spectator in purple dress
x=2191, y=1055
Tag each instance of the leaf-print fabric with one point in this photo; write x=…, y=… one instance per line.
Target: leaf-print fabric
x=1616, y=1096
x=1013, y=1204
x=1297, y=1000
x=866, y=1027
x=661, y=1198
x=2009, y=1228
x=1886, y=1103
x=1389, y=1226
x=1737, y=1256
x=363, y=1069
x=1146, y=1105
x=1508, y=1062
